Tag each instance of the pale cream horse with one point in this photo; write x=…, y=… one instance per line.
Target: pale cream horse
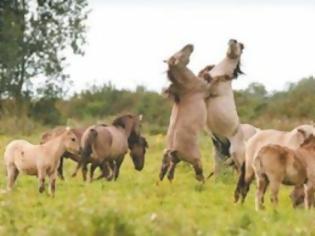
x=40, y=160
x=292, y=139
x=222, y=117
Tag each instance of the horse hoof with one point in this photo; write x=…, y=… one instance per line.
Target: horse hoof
x=41, y=189
x=200, y=178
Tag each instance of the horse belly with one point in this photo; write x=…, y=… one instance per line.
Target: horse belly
x=222, y=117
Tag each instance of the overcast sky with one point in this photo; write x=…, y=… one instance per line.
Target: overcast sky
x=128, y=40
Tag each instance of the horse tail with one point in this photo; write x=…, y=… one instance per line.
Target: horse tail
x=221, y=145
x=87, y=146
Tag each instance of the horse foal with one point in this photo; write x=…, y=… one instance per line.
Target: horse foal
x=277, y=164
x=39, y=160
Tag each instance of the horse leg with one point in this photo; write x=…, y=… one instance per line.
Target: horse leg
x=246, y=177
x=119, y=161
x=165, y=165
x=92, y=169
x=60, y=169
x=274, y=190
x=52, y=184
x=77, y=168
x=309, y=195
x=198, y=170
x=41, y=179
x=237, y=149
x=174, y=161
x=12, y=173
x=84, y=171
x=113, y=167
x=262, y=184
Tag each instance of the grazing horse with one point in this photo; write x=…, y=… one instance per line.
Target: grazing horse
x=188, y=116
x=275, y=164
x=107, y=145
x=222, y=117
x=137, y=152
x=292, y=139
x=41, y=160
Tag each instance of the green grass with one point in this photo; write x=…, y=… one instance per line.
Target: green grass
x=136, y=205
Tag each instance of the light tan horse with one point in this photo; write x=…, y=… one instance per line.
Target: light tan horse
x=40, y=160
x=48, y=135
x=109, y=144
x=292, y=139
x=188, y=116
x=222, y=117
x=275, y=164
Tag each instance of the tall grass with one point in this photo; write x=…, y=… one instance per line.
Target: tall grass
x=139, y=205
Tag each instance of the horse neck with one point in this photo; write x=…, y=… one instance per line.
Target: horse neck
x=183, y=76
x=56, y=146
x=225, y=67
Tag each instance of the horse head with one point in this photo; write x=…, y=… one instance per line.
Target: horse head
x=137, y=152
x=234, y=52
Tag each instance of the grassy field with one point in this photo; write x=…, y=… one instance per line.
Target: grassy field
x=136, y=205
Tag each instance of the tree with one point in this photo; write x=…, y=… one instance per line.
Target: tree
x=35, y=38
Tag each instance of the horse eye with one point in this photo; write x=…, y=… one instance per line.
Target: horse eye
x=73, y=139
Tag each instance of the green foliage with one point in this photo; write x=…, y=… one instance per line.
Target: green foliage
x=34, y=36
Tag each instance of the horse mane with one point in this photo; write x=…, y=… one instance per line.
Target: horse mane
x=237, y=71
x=120, y=121
x=133, y=139
x=171, y=92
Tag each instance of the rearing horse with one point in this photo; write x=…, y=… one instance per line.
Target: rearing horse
x=188, y=116
x=222, y=117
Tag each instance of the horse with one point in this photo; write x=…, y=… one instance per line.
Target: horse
x=222, y=118
x=292, y=139
x=275, y=164
x=188, y=116
x=137, y=152
x=107, y=145
x=41, y=160
x=48, y=135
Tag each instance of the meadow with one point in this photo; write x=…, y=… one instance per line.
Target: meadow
x=138, y=205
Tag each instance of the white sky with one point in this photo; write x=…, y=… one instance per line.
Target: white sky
x=127, y=42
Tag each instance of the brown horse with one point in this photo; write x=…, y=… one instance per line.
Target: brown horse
x=292, y=139
x=107, y=145
x=277, y=164
x=188, y=116
x=40, y=160
x=137, y=152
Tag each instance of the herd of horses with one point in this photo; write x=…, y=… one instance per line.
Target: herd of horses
x=203, y=101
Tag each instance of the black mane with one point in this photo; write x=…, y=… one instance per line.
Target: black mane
x=237, y=71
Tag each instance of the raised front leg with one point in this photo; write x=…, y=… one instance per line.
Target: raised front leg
x=119, y=161
x=60, y=169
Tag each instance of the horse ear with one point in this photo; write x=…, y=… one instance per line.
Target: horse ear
x=140, y=117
